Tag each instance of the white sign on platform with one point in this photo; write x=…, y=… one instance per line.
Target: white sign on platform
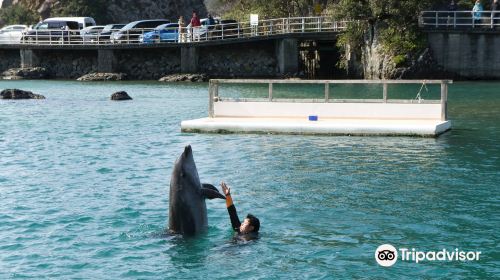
x=254, y=20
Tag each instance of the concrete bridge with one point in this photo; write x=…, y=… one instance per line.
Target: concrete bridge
x=463, y=45
x=284, y=48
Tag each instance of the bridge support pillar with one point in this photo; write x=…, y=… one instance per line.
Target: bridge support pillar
x=29, y=58
x=106, y=61
x=287, y=53
x=189, y=59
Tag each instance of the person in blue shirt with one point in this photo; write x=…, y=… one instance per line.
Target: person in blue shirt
x=477, y=12
x=210, y=20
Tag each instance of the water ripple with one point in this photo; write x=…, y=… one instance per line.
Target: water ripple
x=84, y=190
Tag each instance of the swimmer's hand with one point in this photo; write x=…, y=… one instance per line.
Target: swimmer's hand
x=225, y=188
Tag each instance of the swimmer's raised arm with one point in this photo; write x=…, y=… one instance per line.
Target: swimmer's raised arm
x=225, y=188
x=233, y=215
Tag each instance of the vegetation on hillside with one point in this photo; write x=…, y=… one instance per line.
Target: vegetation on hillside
x=18, y=15
x=241, y=9
x=93, y=8
x=395, y=21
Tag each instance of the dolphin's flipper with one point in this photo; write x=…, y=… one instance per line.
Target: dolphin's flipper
x=211, y=194
x=209, y=186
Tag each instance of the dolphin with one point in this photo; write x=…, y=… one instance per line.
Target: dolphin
x=187, y=207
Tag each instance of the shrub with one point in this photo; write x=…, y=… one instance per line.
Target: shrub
x=18, y=14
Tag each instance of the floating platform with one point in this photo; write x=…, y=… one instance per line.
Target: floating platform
x=378, y=117
x=425, y=128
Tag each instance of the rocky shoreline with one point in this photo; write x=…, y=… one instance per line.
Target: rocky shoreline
x=194, y=78
x=28, y=73
x=103, y=77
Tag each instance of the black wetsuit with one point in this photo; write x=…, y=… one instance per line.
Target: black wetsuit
x=235, y=221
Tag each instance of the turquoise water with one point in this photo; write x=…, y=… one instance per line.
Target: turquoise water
x=84, y=190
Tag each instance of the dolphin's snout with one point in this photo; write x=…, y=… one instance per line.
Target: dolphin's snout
x=187, y=150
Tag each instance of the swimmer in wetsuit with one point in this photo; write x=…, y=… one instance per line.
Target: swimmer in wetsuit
x=250, y=226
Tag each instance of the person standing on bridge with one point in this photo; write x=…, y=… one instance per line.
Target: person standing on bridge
x=182, y=30
x=452, y=7
x=477, y=12
x=495, y=15
x=195, y=26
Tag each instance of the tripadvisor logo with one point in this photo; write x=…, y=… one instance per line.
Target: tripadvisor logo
x=387, y=255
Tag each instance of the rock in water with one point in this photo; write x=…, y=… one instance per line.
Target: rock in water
x=19, y=94
x=29, y=73
x=103, y=77
x=120, y=96
x=185, y=78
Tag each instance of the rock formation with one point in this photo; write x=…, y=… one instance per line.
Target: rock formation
x=29, y=73
x=103, y=77
x=120, y=96
x=376, y=64
x=185, y=78
x=19, y=94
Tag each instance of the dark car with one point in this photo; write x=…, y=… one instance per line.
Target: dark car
x=130, y=33
x=53, y=32
x=105, y=34
x=225, y=29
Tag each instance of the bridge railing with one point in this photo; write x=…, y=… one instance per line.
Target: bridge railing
x=266, y=28
x=459, y=19
x=187, y=34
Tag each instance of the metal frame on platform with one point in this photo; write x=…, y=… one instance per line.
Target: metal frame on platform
x=214, y=96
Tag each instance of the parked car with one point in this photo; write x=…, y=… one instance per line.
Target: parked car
x=168, y=32
x=83, y=22
x=12, y=34
x=91, y=34
x=105, y=34
x=130, y=33
x=202, y=31
x=53, y=32
x=227, y=28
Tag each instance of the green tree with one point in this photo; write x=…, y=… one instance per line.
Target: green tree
x=18, y=14
x=241, y=9
x=394, y=21
x=78, y=8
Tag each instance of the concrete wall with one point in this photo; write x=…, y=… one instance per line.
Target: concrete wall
x=9, y=58
x=470, y=55
x=66, y=64
x=251, y=60
x=241, y=60
x=259, y=58
x=150, y=64
x=399, y=111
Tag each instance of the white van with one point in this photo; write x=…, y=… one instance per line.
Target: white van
x=83, y=22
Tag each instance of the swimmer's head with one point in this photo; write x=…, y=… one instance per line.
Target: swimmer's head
x=250, y=224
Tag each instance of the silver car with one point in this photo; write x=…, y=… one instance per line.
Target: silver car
x=12, y=34
x=91, y=34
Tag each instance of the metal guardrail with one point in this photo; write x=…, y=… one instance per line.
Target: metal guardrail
x=187, y=34
x=214, y=84
x=459, y=19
